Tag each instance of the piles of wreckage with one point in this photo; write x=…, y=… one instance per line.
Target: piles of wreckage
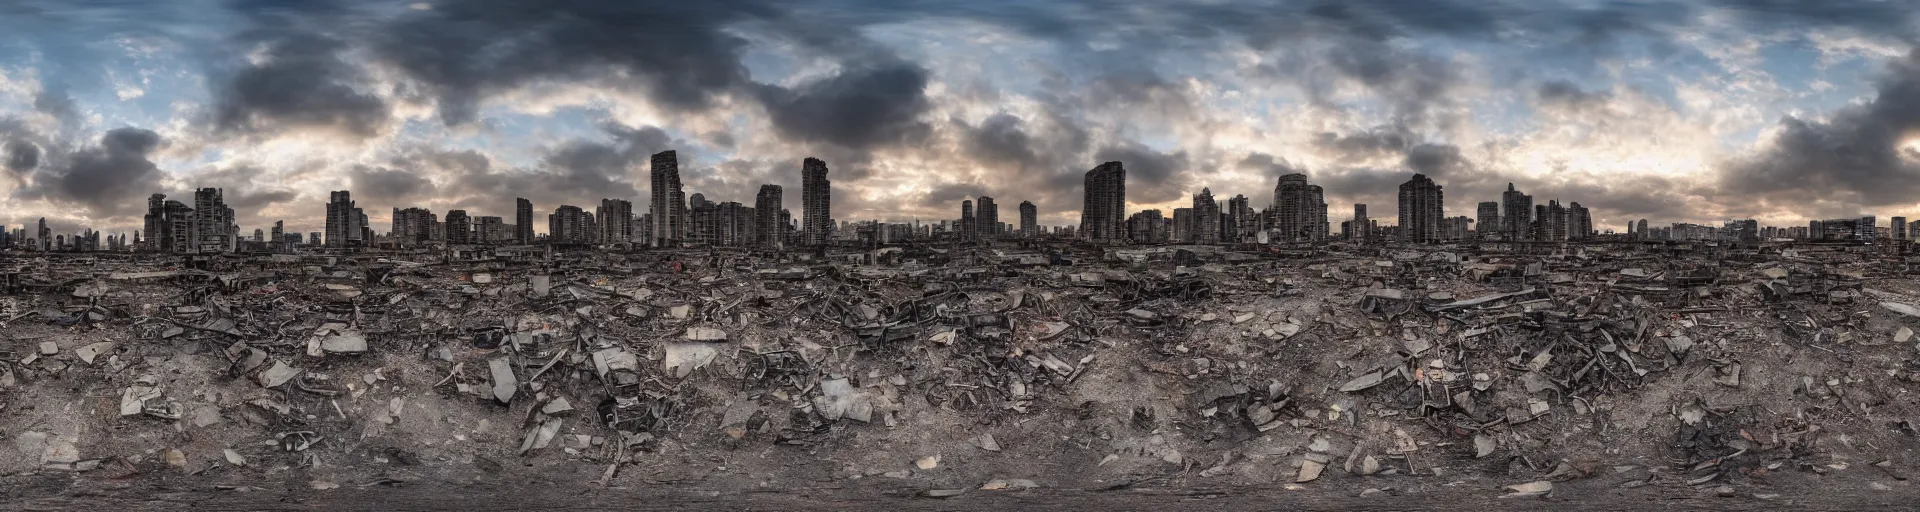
x=1640, y=365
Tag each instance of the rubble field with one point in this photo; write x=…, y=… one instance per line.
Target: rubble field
x=1767, y=376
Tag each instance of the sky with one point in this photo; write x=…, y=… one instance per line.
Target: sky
x=1777, y=110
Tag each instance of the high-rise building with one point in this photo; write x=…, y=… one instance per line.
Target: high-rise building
x=459, y=227
x=1103, y=207
x=987, y=218
x=523, y=220
x=1488, y=219
x=1900, y=228
x=669, y=208
x=343, y=220
x=1243, y=220
x=279, y=239
x=1553, y=225
x=1206, y=218
x=816, y=201
x=1422, y=205
x=1579, y=222
x=1517, y=213
x=969, y=225
x=44, y=236
x=615, y=220
x=1642, y=225
x=1299, y=209
x=766, y=222
x=570, y=225
x=1182, y=229
x=1029, y=220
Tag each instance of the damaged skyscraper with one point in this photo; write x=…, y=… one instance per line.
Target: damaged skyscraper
x=669, y=206
x=1516, y=214
x=816, y=198
x=1421, y=209
x=1300, y=209
x=1104, y=208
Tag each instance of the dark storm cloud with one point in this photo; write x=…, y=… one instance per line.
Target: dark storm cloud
x=467, y=50
x=388, y=186
x=302, y=83
x=103, y=179
x=949, y=195
x=22, y=156
x=1437, y=160
x=1567, y=95
x=1270, y=166
x=1152, y=176
x=859, y=108
x=1861, y=154
x=57, y=104
x=999, y=140
x=1378, y=142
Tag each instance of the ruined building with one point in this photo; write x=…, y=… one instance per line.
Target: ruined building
x=459, y=227
x=816, y=201
x=969, y=225
x=669, y=206
x=523, y=220
x=987, y=218
x=1516, y=213
x=1579, y=222
x=570, y=225
x=615, y=220
x=412, y=225
x=1104, y=204
x=1206, y=218
x=766, y=209
x=1029, y=220
x=1300, y=209
x=1488, y=219
x=344, y=221
x=1421, y=208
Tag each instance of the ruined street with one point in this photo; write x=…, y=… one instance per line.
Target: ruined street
x=1602, y=374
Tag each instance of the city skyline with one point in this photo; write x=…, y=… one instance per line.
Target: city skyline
x=1693, y=112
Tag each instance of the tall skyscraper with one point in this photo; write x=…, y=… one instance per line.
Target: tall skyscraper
x=523, y=220
x=1206, y=218
x=1900, y=228
x=570, y=225
x=1553, y=225
x=1579, y=222
x=1488, y=219
x=987, y=218
x=816, y=198
x=1243, y=221
x=969, y=225
x=766, y=222
x=669, y=208
x=615, y=220
x=1182, y=231
x=1103, y=209
x=1299, y=209
x=1643, y=228
x=1029, y=220
x=341, y=219
x=1422, y=205
x=1517, y=213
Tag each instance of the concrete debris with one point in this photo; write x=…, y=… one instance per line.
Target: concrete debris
x=1240, y=364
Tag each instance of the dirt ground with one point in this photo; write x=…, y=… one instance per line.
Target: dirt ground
x=1232, y=385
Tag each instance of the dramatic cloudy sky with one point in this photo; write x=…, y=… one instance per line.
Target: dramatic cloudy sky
x=1672, y=111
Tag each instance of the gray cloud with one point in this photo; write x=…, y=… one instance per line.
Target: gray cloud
x=102, y=179
x=860, y=108
x=22, y=156
x=1567, y=95
x=1858, y=157
x=1152, y=176
x=390, y=186
x=302, y=83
